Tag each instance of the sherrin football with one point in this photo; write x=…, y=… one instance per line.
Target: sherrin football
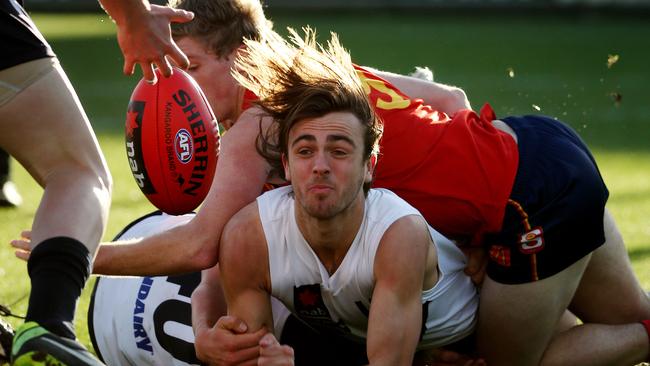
x=172, y=142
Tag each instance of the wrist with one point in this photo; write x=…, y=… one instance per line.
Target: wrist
x=125, y=12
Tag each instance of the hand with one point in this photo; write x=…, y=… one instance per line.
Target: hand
x=443, y=357
x=476, y=263
x=147, y=41
x=273, y=353
x=227, y=343
x=23, y=245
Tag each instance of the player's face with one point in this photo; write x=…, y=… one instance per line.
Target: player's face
x=325, y=164
x=213, y=76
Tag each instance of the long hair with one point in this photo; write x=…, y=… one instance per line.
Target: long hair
x=301, y=79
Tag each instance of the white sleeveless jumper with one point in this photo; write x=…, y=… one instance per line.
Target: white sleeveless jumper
x=341, y=302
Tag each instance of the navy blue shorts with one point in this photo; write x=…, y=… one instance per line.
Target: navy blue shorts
x=19, y=37
x=554, y=216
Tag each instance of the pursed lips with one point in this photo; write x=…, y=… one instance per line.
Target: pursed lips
x=319, y=188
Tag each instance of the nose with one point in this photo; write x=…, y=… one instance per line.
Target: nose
x=321, y=164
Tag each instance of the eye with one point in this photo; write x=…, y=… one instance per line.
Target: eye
x=193, y=68
x=339, y=153
x=304, y=151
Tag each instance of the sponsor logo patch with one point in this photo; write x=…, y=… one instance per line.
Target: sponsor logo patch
x=532, y=241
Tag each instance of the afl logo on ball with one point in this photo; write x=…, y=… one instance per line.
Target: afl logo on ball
x=183, y=146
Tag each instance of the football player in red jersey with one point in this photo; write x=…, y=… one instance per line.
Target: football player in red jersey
x=552, y=243
x=46, y=129
x=491, y=191
x=484, y=187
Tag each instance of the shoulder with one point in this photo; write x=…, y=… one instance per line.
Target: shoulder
x=410, y=227
x=248, y=125
x=252, y=119
x=407, y=240
x=243, y=224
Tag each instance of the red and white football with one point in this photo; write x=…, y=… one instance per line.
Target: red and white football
x=172, y=142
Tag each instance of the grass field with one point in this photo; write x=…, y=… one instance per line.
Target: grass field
x=551, y=64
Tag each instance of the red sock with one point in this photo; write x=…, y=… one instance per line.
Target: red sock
x=646, y=325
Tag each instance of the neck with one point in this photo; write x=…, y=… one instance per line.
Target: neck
x=331, y=238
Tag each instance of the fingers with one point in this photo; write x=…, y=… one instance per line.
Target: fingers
x=232, y=323
x=26, y=234
x=164, y=66
x=22, y=255
x=174, y=15
x=179, y=57
x=21, y=244
x=129, y=67
x=273, y=353
x=476, y=264
x=268, y=340
x=180, y=15
x=148, y=72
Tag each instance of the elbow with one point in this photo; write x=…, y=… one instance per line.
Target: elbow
x=205, y=255
x=457, y=100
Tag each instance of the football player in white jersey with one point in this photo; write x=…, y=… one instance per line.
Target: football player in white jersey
x=144, y=320
x=147, y=320
x=348, y=261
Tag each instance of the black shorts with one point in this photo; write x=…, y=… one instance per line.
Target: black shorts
x=19, y=37
x=318, y=347
x=555, y=213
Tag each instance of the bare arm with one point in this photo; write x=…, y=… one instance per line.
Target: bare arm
x=220, y=339
x=246, y=284
x=445, y=98
x=396, y=310
x=144, y=35
x=239, y=179
x=245, y=270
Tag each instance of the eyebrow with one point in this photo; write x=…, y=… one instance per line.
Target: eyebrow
x=330, y=138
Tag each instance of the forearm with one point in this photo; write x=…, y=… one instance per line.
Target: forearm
x=171, y=252
x=395, y=345
x=395, y=319
x=121, y=11
x=445, y=98
x=208, y=303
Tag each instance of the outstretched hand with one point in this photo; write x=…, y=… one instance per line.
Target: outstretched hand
x=227, y=343
x=147, y=41
x=23, y=245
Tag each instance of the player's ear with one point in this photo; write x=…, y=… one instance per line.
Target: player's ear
x=285, y=165
x=370, y=168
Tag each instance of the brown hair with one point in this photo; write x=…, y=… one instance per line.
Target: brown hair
x=300, y=80
x=222, y=25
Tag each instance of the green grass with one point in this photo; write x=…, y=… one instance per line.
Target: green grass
x=559, y=64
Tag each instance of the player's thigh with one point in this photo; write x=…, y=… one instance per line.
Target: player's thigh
x=44, y=125
x=516, y=322
x=609, y=291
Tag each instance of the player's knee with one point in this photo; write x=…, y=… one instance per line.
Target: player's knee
x=98, y=178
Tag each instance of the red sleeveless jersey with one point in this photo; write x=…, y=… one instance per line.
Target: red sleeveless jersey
x=457, y=171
